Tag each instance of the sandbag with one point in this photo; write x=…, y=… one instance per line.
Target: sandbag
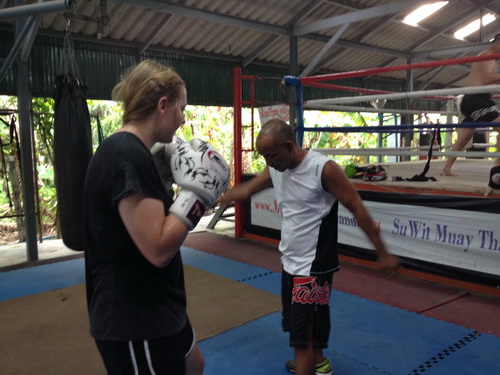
x=72, y=154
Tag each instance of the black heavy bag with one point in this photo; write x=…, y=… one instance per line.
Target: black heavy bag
x=72, y=154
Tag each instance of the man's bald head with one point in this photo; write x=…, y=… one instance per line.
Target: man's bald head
x=276, y=143
x=279, y=131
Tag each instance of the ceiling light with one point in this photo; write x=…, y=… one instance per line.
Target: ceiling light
x=473, y=26
x=423, y=12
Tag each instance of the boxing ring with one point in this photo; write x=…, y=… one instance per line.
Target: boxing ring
x=446, y=225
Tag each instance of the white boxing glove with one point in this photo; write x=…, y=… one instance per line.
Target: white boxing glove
x=202, y=173
x=162, y=153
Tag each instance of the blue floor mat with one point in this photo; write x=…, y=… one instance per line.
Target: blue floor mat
x=38, y=279
x=376, y=332
x=367, y=338
x=259, y=347
x=232, y=269
x=474, y=354
x=385, y=340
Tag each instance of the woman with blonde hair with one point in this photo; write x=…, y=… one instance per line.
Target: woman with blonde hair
x=135, y=283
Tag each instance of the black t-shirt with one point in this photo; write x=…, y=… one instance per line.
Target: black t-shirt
x=128, y=298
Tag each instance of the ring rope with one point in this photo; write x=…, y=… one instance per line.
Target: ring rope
x=402, y=127
x=385, y=152
x=366, y=72
x=330, y=86
x=409, y=95
x=341, y=108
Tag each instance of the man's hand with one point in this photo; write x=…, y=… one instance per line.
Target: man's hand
x=389, y=263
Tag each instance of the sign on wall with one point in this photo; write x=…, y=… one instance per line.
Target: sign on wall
x=274, y=112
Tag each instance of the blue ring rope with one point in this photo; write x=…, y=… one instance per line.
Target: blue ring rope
x=397, y=128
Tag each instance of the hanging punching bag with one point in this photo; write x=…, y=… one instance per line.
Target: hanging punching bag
x=72, y=153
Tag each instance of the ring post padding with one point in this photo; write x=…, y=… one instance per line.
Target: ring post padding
x=295, y=81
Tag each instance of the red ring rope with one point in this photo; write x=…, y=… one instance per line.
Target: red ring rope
x=366, y=72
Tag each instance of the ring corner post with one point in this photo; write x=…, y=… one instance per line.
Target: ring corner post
x=295, y=82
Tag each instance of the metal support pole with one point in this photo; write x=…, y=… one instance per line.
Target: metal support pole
x=25, y=132
x=450, y=106
x=294, y=71
x=14, y=52
x=300, y=116
x=38, y=8
x=380, y=135
x=408, y=137
x=237, y=147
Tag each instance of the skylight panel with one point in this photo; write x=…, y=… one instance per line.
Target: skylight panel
x=423, y=12
x=473, y=26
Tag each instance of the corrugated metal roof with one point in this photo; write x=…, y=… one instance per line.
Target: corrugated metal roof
x=239, y=30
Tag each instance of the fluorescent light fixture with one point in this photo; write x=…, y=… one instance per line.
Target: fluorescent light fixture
x=423, y=12
x=473, y=26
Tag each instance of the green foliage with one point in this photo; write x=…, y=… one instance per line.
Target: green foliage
x=47, y=195
x=106, y=118
x=9, y=148
x=339, y=139
x=322, y=142
x=214, y=124
x=258, y=163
